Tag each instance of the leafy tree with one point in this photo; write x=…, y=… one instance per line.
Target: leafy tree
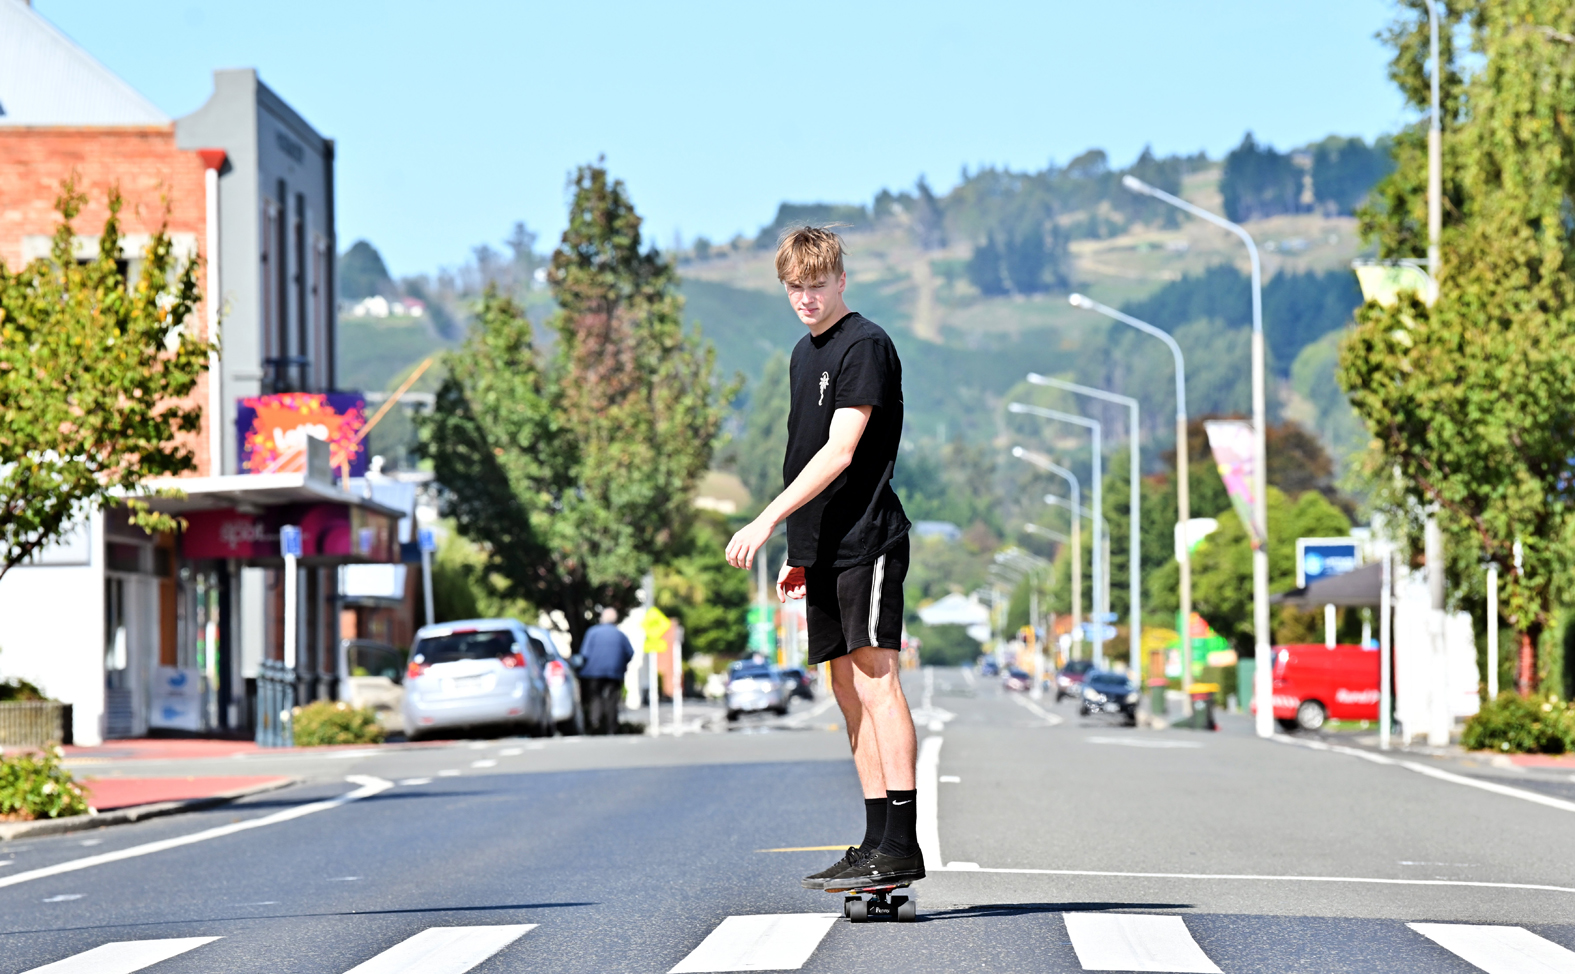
x=1258, y=182
x=696, y=585
x=1345, y=170
x=1469, y=400
x=94, y=374
x=815, y=214
x=362, y=273
x=574, y=468
x=763, y=444
x=984, y=268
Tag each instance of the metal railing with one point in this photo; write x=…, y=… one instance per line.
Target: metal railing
x=275, y=701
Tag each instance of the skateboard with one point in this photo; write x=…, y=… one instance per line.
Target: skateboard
x=880, y=905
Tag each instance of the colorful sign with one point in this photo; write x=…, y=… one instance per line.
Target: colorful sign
x=1235, y=452
x=1324, y=558
x=272, y=430
x=656, y=624
x=762, y=629
x=340, y=532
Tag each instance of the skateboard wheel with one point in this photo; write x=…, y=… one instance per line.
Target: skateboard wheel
x=907, y=911
x=858, y=910
x=847, y=905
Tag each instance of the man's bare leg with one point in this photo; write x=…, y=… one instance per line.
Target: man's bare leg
x=861, y=729
x=885, y=710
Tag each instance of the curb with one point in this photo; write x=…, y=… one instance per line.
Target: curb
x=135, y=813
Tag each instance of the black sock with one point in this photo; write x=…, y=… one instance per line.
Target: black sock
x=902, y=825
x=874, y=822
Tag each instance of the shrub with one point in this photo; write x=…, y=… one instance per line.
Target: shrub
x=37, y=786
x=19, y=689
x=1524, y=725
x=326, y=722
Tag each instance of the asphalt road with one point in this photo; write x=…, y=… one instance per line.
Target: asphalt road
x=1068, y=844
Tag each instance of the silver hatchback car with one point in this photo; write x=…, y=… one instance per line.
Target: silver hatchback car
x=476, y=672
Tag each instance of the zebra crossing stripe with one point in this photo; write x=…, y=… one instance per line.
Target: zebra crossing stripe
x=767, y=942
x=444, y=950
x=123, y=957
x=1136, y=942
x=1499, y=950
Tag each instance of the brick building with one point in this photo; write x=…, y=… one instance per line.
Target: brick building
x=140, y=632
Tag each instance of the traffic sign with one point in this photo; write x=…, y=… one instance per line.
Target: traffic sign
x=290, y=541
x=1103, y=617
x=656, y=624
x=1098, y=631
x=426, y=540
x=1324, y=558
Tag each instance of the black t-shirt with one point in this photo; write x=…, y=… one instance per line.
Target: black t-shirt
x=858, y=516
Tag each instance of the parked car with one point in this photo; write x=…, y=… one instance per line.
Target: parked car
x=753, y=686
x=563, y=685
x=803, y=682
x=1069, y=681
x=1108, y=692
x=476, y=672
x=375, y=676
x=1313, y=683
x=1016, y=679
x=988, y=666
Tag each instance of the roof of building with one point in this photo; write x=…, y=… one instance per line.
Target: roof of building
x=46, y=79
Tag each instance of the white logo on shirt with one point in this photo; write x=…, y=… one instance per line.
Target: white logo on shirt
x=825, y=380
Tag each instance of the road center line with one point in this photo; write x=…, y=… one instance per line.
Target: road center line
x=369, y=786
x=1251, y=877
x=927, y=780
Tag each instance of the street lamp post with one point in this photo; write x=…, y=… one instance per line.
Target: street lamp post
x=1099, y=569
x=1045, y=463
x=1183, y=477
x=1263, y=675
x=1134, y=519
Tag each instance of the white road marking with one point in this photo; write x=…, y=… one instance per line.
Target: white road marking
x=1252, y=877
x=1440, y=774
x=1136, y=942
x=415, y=781
x=443, y=950
x=1142, y=742
x=480, y=745
x=484, y=764
x=448, y=773
x=369, y=786
x=929, y=810
x=1050, y=719
x=511, y=752
x=363, y=753
x=64, y=897
x=812, y=712
x=950, y=779
x=767, y=942
x=967, y=674
x=123, y=957
x=1499, y=950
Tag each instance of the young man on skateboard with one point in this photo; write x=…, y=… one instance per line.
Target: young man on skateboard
x=847, y=545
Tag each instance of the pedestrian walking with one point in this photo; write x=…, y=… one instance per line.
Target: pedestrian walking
x=847, y=541
x=606, y=653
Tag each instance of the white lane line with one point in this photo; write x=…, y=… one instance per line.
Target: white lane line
x=1441, y=775
x=1136, y=942
x=511, y=752
x=443, y=950
x=123, y=957
x=484, y=763
x=967, y=673
x=1253, y=877
x=811, y=713
x=415, y=781
x=926, y=779
x=1050, y=719
x=448, y=773
x=767, y=942
x=1141, y=742
x=1499, y=950
x=369, y=786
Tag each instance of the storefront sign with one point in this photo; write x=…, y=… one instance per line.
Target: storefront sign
x=341, y=532
x=177, y=699
x=272, y=430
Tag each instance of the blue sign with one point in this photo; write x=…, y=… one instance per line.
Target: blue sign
x=426, y=540
x=1103, y=617
x=1098, y=632
x=1318, y=558
x=290, y=541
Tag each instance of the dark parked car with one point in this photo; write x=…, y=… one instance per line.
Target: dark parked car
x=803, y=683
x=1069, y=682
x=1016, y=679
x=1107, y=692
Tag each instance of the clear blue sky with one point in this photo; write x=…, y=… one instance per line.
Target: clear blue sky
x=454, y=120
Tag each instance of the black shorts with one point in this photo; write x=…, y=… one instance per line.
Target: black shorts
x=847, y=608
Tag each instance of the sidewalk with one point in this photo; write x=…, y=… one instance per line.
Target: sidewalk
x=106, y=794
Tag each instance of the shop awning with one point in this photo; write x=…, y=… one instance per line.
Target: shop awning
x=1358, y=588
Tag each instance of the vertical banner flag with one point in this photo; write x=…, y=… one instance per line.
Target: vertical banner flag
x=1232, y=442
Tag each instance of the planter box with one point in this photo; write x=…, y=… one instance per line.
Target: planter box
x=34, y=723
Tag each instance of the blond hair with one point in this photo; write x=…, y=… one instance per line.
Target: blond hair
x=806, y=255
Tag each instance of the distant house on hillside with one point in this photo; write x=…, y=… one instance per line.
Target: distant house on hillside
x=378, y=306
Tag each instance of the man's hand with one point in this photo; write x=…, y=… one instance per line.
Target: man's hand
x=741, y=550
x=790, y=582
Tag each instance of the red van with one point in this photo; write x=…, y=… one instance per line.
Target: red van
x=1313, y=683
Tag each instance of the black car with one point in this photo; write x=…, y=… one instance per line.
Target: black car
x=802, y=684
x=1069, y=681
x=1107, y=692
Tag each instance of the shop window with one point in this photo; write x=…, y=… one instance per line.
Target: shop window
x=124, y=557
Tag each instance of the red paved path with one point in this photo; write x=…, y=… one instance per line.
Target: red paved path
x=107, y=793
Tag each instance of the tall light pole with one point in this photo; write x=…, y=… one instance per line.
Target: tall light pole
x=1033, y=565
x=1183, y=477
x=1096, y=428
x=1134, y=519
x=1263, y=674
x=1045, y=463
x=1104, y=522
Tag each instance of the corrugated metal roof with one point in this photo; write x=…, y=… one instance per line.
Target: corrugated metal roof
x=46, y=79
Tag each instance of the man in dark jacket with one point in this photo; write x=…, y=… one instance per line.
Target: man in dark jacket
x=607, y=653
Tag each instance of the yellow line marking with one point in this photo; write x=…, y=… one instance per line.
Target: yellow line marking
x=807, y=848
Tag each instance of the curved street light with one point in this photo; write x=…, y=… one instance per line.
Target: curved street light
x=1046, y=464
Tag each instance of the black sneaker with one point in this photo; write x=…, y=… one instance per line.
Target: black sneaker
x=878, y=869
x=850, y=858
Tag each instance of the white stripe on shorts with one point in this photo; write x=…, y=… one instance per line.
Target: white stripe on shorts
x=876, y=580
